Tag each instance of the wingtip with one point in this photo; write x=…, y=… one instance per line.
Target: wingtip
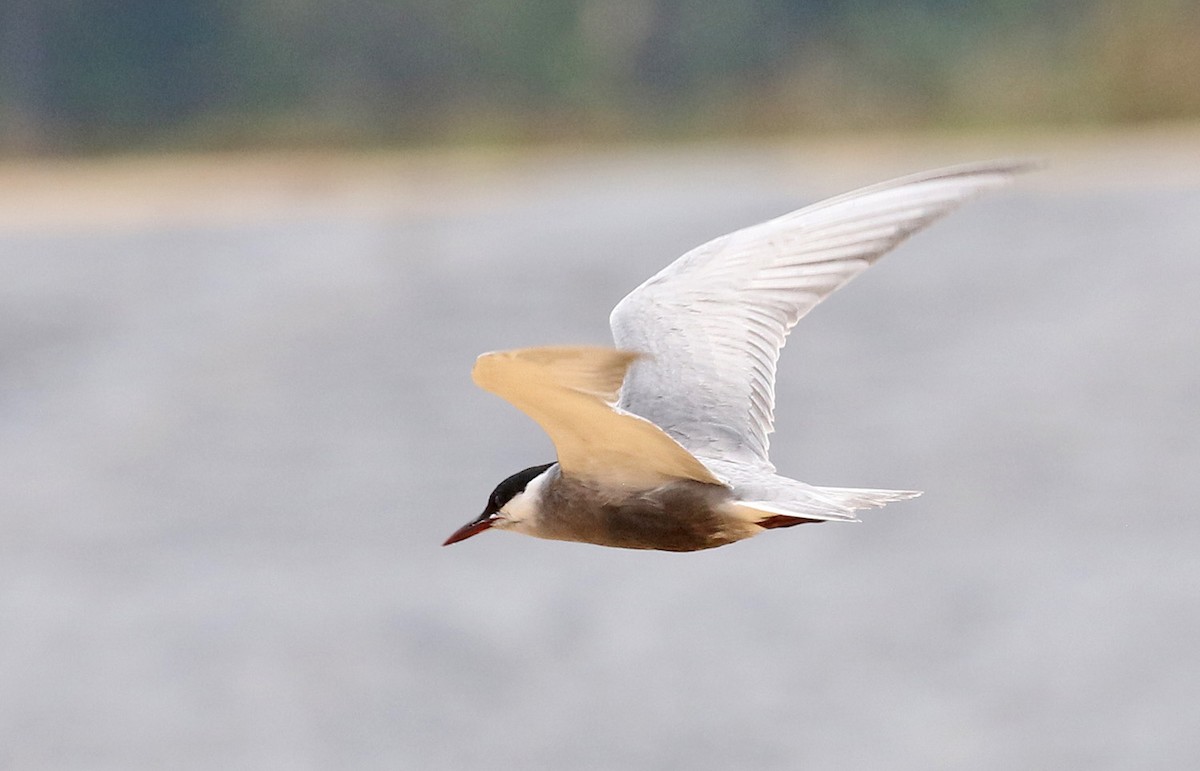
x=1011, y=168
x=1005, y=169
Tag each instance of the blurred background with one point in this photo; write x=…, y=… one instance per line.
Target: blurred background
x=250, y=251
x=139, y=74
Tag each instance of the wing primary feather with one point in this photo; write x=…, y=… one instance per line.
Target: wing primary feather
x=716, y=318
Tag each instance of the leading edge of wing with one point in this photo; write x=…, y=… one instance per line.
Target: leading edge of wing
x=570, y=391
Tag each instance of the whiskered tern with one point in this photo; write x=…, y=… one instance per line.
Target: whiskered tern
x=662, y=441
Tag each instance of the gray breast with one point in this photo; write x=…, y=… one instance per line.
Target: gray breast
x=680, y=516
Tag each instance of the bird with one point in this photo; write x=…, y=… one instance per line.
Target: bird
x=662, y=440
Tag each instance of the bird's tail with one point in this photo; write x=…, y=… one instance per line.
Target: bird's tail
x=855, y=498
x=820, y=504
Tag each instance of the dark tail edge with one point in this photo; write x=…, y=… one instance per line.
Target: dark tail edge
x=782, y=520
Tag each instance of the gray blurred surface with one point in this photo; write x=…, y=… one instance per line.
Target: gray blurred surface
x=231, y=446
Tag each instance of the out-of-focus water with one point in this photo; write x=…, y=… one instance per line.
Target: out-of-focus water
x=231, y=446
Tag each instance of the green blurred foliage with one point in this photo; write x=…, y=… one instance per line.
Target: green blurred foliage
x=85, y=76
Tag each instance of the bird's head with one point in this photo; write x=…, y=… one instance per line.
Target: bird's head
x=514, y=502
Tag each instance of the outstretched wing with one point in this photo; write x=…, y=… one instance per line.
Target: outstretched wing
x=570, y=392
x=713, y=321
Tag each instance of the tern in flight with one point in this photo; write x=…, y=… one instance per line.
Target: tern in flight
x=662, y=441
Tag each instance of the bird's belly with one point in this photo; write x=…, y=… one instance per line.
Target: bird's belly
x=681, y=516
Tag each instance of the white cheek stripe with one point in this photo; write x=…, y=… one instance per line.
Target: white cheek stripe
x=524, y=505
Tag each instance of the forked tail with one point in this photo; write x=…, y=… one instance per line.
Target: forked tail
x=856, y=498
x=820, y=504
